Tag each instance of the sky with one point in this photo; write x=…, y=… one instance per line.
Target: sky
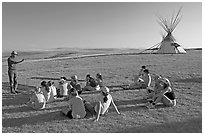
x=47, y=25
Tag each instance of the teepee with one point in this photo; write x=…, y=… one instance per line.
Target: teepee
x=168, y=44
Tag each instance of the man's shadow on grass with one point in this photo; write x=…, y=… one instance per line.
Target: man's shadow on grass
x=41, y=118
x=17, y=99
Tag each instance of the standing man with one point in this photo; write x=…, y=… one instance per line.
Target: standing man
x=12, y=73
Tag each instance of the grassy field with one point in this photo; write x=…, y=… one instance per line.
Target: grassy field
x=184, y=71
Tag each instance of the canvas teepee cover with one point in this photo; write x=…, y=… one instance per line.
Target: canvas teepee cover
x=168, y=44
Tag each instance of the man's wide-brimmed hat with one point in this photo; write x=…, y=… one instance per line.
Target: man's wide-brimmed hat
x=14, y=53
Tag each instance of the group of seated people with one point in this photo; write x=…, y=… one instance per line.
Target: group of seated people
x=162, y=91
x=78, y=108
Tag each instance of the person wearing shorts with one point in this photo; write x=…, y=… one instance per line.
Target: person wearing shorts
x=165, y=96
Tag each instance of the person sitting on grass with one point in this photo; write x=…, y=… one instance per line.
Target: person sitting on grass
x=45, y=90
x=91, y=84
x=37, y=100
x=165, y=95
x=140, y=74
x=142, y=82
x=75, y=84
x=153, y=91
x=99, y=78
x=75, y=109
x=52, y=89
x=62, y=90
x=105, y=99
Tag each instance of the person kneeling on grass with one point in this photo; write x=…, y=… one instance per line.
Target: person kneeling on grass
x=166, y=95
x=37, y=101
x=76, y=107
x=91, y=84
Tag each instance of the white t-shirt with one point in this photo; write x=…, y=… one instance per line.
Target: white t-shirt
x=45, y=93
x=53, y=92
x=39, y=100
x=63, y=89
x=104, y=105
x=77, y=106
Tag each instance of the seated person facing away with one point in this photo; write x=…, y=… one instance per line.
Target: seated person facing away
x=91, y=84
x=76, y=107
x=165, y=95
x=45, y=90
x=75, y=84
x=37, y=101
x=53, y=92
x=62, y=90
x=142, y=82
x=99, y=78
x=105, y=99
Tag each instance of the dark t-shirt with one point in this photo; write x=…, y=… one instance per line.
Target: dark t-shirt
x=77, y=86
x=170, y=95
x=12, y=63
x=92, y=82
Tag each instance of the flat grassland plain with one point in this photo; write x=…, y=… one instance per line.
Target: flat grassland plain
x=184, y=71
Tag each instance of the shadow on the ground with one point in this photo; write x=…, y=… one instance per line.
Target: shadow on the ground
x=41, y=118
x=11, y=99
x=190, y=80
x=193, y=125
x=133, y=105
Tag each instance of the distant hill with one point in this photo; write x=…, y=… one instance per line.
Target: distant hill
x=193, y=49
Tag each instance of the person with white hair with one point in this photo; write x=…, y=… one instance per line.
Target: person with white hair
x=165, y=95
x=37, y=100
x=12, y=72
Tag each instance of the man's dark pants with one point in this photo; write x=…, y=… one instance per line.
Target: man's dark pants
x=13, y=80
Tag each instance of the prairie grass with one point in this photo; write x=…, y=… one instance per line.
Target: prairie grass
x=184, y=71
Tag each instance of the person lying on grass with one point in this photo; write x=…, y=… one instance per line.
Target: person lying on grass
x=75, y=84
x=165, y=96
x=142, y=82
x=91, y=84
x=37, y=100
x=75, y=109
